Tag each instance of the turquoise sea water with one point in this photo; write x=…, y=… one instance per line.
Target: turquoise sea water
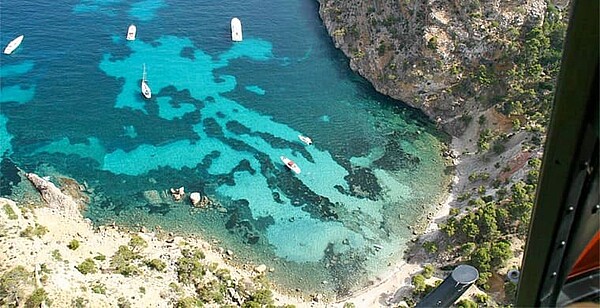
x=221, y=115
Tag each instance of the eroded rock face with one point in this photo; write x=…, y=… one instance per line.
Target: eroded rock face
x=425, y=53
x=53, y=196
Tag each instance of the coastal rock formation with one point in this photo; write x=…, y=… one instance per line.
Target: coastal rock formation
x=195, y=198
x=438, y=56
x=178, y=193
x=53, y=196
x=200, y=201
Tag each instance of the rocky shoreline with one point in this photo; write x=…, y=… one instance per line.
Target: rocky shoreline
x=56, y=237
x=456, y=62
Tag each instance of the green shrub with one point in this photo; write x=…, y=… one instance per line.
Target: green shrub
x=428, y=271
x=188, y=302
x=37, y=298
x=482, y=298
x=211, y=292
x=56, y=255
x=137, y=243
x=466, y=303
x=510, y=291
x=419, y=285
x=430, y=247
x=262, y=297
x=100, y=257
x=156, y=264
x=189, y=267
x=11, y=283
x=175, y=287
x=30, y=231
x=73, y=244
x=464, y=196
x=433, y=43
x=80, y=302
x=223, y=274
x=88, y=266
x=10, y=212
x=482, y=282
x=98, y=287
x=122, y=302
x=468, y=248
x=121, y=261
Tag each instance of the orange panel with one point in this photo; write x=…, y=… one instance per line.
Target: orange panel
x=589, y=259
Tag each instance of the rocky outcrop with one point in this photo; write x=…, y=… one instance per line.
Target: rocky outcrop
x=53, y=196
x=178, y=193
x=200, y=201
x=430, y=54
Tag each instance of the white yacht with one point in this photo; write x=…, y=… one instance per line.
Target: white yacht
x=146, y=92
x=236, y=30
x=305, y=139
x=131, y=31
x=13, y=45
x=290, y=164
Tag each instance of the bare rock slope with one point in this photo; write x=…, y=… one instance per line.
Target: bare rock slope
x=433, y=54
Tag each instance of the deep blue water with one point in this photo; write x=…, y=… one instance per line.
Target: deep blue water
x=221, y=115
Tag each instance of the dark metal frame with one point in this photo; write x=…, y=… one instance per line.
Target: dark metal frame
x=566, y=211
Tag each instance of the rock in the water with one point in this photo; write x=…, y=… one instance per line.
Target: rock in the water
x=195, y=198
x=152, y=196
x=260, y=269
x=178, y=194
x=53, y=196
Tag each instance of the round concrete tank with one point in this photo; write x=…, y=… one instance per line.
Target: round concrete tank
x=465, y=274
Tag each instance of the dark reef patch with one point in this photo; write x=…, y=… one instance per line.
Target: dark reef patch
x=363, y=184
x=9, y=176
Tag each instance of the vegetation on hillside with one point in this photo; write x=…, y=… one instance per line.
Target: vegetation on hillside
x=490, y=226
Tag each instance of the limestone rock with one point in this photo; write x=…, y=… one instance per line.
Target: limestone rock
x=178, y=193
x=53, y=196
x=260, y=269
x=195, y=198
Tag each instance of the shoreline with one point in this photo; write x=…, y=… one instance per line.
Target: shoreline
x=390, y=289
x=65, y=224
x=65, y=283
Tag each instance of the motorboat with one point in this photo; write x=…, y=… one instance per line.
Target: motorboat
x=290, y=164
x=146, y=92
x=236, y=30
x=13, y=45
x=305, y=139
x=131, y=31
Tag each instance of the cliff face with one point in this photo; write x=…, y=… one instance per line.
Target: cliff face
x=434, y=55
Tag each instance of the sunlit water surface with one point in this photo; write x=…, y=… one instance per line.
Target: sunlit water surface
x=221, y=116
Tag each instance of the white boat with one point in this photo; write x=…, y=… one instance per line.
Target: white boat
x=131, y=31
x=146, y=92
x=290, y=164
x=236, y=30
x=13, y=45
x=305, y=139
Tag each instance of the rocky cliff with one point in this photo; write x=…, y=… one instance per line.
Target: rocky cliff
x=451, y=59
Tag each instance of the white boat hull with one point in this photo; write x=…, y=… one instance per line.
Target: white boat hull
x=13, y=45
x=131, y=32
x=146, y=92
x=290, y=164
x=236, y=30
x=305, y=139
